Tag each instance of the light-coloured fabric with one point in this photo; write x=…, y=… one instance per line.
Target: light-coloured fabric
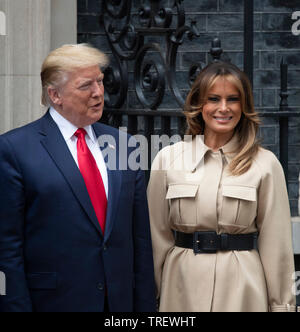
x=68, y=131
x=203, y=196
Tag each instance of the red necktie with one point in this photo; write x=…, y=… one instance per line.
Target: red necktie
x=92, y=177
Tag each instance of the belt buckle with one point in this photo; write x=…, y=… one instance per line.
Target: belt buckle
x=209, y=246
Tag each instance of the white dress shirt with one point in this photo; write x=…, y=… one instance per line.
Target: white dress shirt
x=68, y=131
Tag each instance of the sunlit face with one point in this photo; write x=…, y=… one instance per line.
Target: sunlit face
x=222, y=110
x=81, y=99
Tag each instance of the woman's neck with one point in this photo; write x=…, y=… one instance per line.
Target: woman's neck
x=216, y=141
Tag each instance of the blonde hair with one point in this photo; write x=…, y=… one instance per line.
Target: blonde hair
x=248, y=125
x=67, y=59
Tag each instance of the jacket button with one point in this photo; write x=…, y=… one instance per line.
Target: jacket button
x=105, y=247
x=100, y=287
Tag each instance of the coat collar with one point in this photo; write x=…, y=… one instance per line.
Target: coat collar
x=197, y=149
x=230, y=148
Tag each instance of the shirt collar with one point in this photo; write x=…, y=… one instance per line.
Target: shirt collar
x=198, y=149
x=230, y=148
x=194, y=151
x=67, y=128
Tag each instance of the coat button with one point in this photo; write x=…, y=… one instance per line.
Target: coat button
x=100, y=287
x=105, y=247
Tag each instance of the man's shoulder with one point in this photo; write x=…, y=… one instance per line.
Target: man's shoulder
x=20, y=141
x=23, y=131
x=104, y=129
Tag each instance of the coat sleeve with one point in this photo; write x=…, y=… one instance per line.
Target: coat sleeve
x=275, y=236
x=12, y=209
x=143, y=259
x=162, y=236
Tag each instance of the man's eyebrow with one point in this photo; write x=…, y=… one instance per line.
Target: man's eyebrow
x=84, y=80
x=89, y=80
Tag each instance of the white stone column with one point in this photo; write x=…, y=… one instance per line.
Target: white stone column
x=299, y=198
x=63, y=22
x=22, y=50
x=2, y=24
x=32, y=28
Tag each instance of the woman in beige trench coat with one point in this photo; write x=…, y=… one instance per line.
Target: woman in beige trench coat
x=219, y=209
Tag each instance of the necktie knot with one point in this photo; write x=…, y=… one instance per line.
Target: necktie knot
x=80, y=133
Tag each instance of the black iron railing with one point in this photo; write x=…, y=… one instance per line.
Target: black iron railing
x=154, y=67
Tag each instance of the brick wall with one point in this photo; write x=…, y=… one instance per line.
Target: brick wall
x=224, y=19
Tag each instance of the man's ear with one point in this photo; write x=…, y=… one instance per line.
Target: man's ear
x=54, y=95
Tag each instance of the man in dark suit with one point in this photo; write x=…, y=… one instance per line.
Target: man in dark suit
x=74, y=232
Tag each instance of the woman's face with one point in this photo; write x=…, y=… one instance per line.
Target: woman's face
x=222, y=110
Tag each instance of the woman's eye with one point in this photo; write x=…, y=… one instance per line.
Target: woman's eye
x=234, y=99
x=213, y=99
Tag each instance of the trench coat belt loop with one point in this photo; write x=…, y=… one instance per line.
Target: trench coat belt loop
x=211, y=242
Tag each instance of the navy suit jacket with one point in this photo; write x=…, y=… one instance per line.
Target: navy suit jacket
x=52, y=250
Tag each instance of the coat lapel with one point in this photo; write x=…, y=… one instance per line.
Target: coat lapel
x=54, y=143
x=114, y=179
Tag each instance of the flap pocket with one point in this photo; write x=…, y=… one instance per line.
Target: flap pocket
x=240, y=192
x=43, y=280
x=181, y=191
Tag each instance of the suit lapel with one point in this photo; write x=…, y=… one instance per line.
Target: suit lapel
x=114, y=180
x=54, y=143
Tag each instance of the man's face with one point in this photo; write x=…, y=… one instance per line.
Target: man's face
x=81, y=99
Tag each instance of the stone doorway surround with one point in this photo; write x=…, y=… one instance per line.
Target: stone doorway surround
x=32, y=28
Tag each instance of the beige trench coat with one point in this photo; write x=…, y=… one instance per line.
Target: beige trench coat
x=199, y=194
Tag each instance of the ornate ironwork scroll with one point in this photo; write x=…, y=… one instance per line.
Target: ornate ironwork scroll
x=127, y=31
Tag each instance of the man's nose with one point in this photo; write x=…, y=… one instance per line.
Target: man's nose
x=97, y=89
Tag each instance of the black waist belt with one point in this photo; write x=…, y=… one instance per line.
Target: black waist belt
x=211, y=242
